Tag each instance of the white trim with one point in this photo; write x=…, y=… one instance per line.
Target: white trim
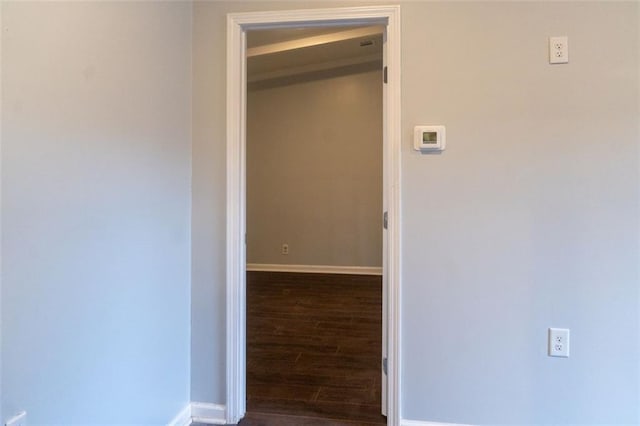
x=211, y=414
x=236, y=231
x=183, y=418
x=392, y=180
x=1, y=198
x=405, y=422
x=237, y=24
x=315, y=269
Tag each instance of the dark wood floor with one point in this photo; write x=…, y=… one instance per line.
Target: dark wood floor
x=313, y=349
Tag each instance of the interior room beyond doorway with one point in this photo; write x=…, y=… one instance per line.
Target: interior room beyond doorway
x=314, y=208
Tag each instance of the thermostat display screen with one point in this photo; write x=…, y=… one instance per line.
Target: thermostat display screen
x=429, y=137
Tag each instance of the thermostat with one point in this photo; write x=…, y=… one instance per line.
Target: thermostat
x=429, y=138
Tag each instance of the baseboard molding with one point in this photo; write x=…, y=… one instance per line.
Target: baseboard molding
x=211, y=414
x=216, y=414
x=315, y=269
x=405, y=422
x=183, y=418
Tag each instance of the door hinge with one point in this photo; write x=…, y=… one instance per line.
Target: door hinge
x=384, y=74
x=384, y=365
x=385, y=220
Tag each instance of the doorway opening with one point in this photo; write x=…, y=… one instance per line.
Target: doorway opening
x=314, y=224
x=238, y=26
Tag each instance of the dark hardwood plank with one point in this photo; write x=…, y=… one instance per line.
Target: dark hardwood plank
x=313, y=349
x=319, y=409
x=270, y=419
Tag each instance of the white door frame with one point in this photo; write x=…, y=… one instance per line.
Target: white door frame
x=237, y=25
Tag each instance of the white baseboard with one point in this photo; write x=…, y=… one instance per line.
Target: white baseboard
x=216, y=414
x=183, y=418
x=317, y=269
x=405, y=422
x=211, y=414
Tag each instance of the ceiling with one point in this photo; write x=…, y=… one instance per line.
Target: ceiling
x=279, y=53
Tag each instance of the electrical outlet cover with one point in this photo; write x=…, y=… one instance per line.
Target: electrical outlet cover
x=559, y=50
x=559, y=342
x=18, y=420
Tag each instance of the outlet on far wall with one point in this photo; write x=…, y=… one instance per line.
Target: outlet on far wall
x=285, y=248
x=559, y=50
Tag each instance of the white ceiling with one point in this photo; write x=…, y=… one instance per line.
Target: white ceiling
x=277, y=35
x=281, y=52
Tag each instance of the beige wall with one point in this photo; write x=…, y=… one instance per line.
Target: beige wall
x=314, y=171
x=526, y=222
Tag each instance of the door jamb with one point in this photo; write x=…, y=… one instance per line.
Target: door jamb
x=237, y=24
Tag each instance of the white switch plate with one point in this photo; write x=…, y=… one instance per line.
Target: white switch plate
x=559, y=50
x=559, y=342
x=18, y=420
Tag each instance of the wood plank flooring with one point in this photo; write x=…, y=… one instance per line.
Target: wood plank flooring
x=313, y=349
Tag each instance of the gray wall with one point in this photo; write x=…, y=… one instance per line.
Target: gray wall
x=528, y=220
x=208, y=215
x=536, y=206
x=314, y=171
x=96, y=167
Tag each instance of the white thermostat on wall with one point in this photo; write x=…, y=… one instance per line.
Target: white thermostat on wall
x=429, y=138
